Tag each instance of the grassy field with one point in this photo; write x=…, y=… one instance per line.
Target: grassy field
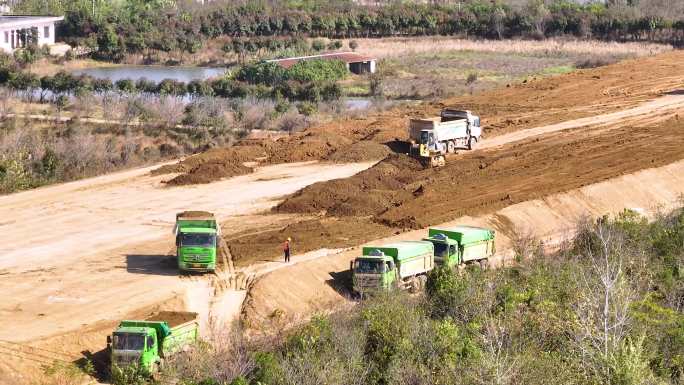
x=419, y=68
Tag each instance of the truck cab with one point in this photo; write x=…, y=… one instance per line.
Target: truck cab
x=148, y=342
x=196, y=249
x=402, y=265
x=196, y=241
x=134, y=345
x=372, y=272
x=462, y=245
x=447, y=251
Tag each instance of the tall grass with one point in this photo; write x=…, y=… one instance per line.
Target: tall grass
x=394, y=47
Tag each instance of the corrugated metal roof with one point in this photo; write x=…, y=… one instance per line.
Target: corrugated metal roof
x=347, y=57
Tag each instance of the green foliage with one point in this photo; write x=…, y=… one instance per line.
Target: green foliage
x=317, y=71
x=13, y=175
x=389, y=325
x=261, y=73
x=318, y=45
x=307, y=108
x=446, y=291
x=267, y=369
x=129, y=375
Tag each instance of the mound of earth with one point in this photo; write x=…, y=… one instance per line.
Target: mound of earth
x=530, y=103
x=369, y=192
x=209, y=172
x=306, y=235
x=361, y=151
x=398, y=194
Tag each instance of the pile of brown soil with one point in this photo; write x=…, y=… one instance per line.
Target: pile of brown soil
x=209, y=172
x=195, y=214
x=361, y=151
x=530, y=103
x=398, y=194
x=369, y=192
x=173, y=318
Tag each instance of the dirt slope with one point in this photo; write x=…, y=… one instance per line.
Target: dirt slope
x=320, y=285
x=397, y=194
x=531, y=103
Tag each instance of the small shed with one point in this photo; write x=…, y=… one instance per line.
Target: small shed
x=356, y=63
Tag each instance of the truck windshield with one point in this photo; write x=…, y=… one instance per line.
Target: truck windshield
x=198, y=240
x=365, y=266
x=441, y=249
x=426, y=137
x=128, y=341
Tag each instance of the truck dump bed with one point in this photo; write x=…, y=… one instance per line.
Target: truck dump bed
x=173, y=318
x=412, y=257
x=401, y=250
x=464, y=234
x=196, y=219
x=443, y=130
x=175, y=329
x=476, y=243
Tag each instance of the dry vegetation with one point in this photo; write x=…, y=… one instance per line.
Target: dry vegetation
x=401, y=47
x=429, y=67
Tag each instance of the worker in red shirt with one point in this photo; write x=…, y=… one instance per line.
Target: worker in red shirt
x=286, y=249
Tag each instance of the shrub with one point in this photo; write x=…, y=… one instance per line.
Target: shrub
x=261, y=73
x=334, y=45
x=317, y=71
x=318, y=45
x=353, y=45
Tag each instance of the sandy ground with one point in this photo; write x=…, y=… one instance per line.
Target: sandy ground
x=319, y=281
x=88, y=253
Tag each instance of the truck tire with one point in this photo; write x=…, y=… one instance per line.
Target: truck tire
x=451, y=147
x=423, y=281
x=413, y=285
x=472, y=141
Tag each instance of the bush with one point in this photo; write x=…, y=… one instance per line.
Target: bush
x=261, y=73
x=318, y=45
x=307, y=108
x=353, y=45
x=317, y=71
x=335, y=45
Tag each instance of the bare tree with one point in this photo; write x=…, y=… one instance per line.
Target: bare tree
x=604, y=298
x=500, y=363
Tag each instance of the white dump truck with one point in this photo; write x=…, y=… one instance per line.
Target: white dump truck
x=432, y=138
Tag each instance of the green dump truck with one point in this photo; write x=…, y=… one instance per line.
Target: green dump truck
x=402, y=265
x=147, y=343
x=196, y=240
x=462, y=245
x=405, y=264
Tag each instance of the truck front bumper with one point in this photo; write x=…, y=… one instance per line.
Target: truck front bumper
x=197, y=266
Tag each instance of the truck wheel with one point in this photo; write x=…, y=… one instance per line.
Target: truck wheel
x=423, y=281
x=413, y=285
x=451, y=147
x=472, y=141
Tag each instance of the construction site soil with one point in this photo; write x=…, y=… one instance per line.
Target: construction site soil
x=530, y=103
x=398, y=194
x=173, y=318
x=69, y=284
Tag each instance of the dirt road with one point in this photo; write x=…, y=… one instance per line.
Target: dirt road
x=92, y=250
